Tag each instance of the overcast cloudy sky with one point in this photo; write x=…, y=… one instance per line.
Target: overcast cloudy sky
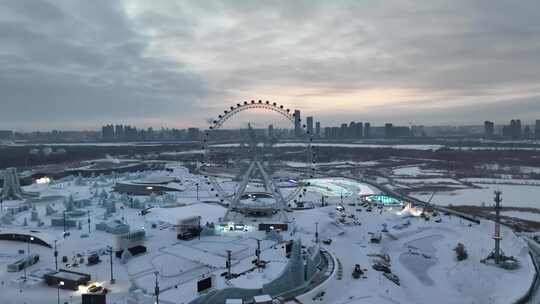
x=79, y=64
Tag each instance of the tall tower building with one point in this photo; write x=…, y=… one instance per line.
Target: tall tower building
x=352, y=130
x=119, y=132
x=514, y=130
x=297, y=124
x=367, y=130
x=327, y=132
x=489, y=129
x=271, y=131
x=389, y=130
x=537, y=129
x=107, y=133
x=309, y=125
x=318, y=129
x=359, y=130
x=343, y=130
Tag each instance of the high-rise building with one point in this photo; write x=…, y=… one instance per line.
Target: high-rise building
x=271, y=131
x=6, y=134
x=359, y=130
x=119, y=132
x=327, y=132
x=418, y=131
x=297, y=124
x=343, y=131
x=367, y=130
x=107, y=133
x=335, y=133
x=388, y=130
x=351, y=131
x=527, y=132
x=514, y=130
x=193, y=134
x=489, y=129
x=309, y=125
x=318, y=129
x=537, y=129
x=130, y=133
x=401, y=131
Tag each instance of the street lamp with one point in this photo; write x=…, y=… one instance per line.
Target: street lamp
x=197, y=184
x=316, y=232
x=89, y=222
x=156, y=287
x=55, y=256
x=61, y=283
x=111, y=258
x=31, y=240
x=64, y=215
x=27, y=261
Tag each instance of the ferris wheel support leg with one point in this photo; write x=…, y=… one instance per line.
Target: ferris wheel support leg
x=270, y=185
x=242, y=188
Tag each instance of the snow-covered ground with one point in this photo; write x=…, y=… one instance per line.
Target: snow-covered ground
x=513, y=195
x=420, y=251
x=414, y=171
x=508, y=181
x=529, y=216
x=352, y=145
x=295, y=164
x=422, y=257
x=440, y=180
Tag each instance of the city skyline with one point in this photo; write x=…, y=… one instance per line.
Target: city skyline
x=78, y=65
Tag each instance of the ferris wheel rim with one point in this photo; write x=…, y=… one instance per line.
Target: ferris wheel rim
x=265, y=105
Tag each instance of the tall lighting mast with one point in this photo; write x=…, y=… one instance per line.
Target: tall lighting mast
x=497, y=236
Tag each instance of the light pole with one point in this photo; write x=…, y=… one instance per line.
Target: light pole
x=197, y=185
x=258, y=252
x=316, y=232
x=31, y=239
x=88, y=221
x=111, y=258
x=64, y=215
x=27, y=261
x=55, y=256
x=228, y=265
x=156, y=287
x=61, y=283
x=123, y=214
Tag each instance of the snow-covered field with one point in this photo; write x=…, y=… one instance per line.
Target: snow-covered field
x=529, y=216
x=351, y=145
x=420, y=251
x=413, y=171
x=513, y=195
x=332, y=163
x=421, y=256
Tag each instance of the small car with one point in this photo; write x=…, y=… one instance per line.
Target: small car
x=94, y=288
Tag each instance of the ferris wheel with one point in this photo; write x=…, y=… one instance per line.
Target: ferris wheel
x=296, y=189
